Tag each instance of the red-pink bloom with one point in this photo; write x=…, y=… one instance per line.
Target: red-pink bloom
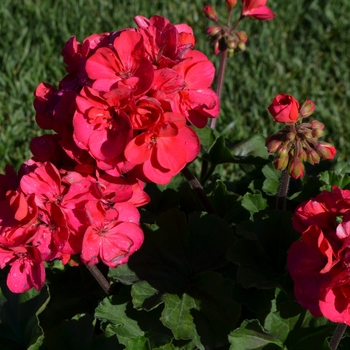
x=166, y=44
x=113, y=235
x=196, y=100
x=100, y=126
x=309, y=263
x=164, y=149
x=125, y=62
x=27, y=270
x=284, y=109
x=257, y=9
x=319, y=263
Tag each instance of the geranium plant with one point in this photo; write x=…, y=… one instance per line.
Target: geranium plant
x=111, y=195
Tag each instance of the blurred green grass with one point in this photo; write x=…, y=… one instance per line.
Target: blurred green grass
x=304, y=51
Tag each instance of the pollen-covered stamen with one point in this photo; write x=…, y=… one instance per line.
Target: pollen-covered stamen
x=152, y=142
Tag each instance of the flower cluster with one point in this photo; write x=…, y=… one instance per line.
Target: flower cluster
x=223, y=37
x=298, y=141
x=120, y=117
x=319, y=263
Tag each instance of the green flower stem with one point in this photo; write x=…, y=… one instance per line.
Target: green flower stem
x=337, y=336
x=99, y=278
x=220, y=81
x=282, y=191
x=195, y=184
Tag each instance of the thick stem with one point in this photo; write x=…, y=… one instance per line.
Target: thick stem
x=337, y=336
x=195, y=184
x=220, y=81
x=282, y=191
x=99, y=278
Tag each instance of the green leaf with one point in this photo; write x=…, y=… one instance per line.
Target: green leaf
x=279, y=323
x=253, y=146
x=227, y=204
x=139, y=343
x=119, y=317
x=251, y=336
x=296, y=327
x=341, y=167
x=330, y=179
x=262, y=255
x=206, y=136
x=175, y=265
x=219, y=153
x=271, y=183
x=75, y=334
x=109, y=311
x=19, y=323
x=123, y=274
x=145, y=296
x=255, y=266
x=177, y=316
x=249, y=151
x=254, y=203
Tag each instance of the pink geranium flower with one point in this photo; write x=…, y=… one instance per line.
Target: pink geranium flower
x=196, y=100
x=257, y=9
x=100, y=126
x=27, y=269
x=319, y=263
x=164, y=149
x=166, y=44
x=125, y=62
x=113, y=235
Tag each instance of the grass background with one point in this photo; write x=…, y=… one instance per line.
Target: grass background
x=304, y=52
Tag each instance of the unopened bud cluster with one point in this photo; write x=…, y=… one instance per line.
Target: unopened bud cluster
x=222, y=38
x=298, y=142
x=226, y=37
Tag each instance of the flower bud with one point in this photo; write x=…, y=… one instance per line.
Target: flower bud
x=307, y=108
x=313, y=157
x=296, y=168
x=308, y=135
x=273, y=145
x=241, y=46
x=231, y=44
x=281, y=163
x=216, y=47
x=284, y=150
x=290, y=136
x=315, y=124
x=213, y=30
x=325, y=150
x=230, y=4
x=316, y=133
x=302, y=155
x=243, y=36
x=210, y=13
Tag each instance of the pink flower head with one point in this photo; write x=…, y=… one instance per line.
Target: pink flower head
x=125, y=62
x=257, y=9
x=166, y=44
x=319, y=263
x=100, y=126
x=164, y=149
x=113, y=235
x=284, y=109
x=27, y=269
x=196, y=100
